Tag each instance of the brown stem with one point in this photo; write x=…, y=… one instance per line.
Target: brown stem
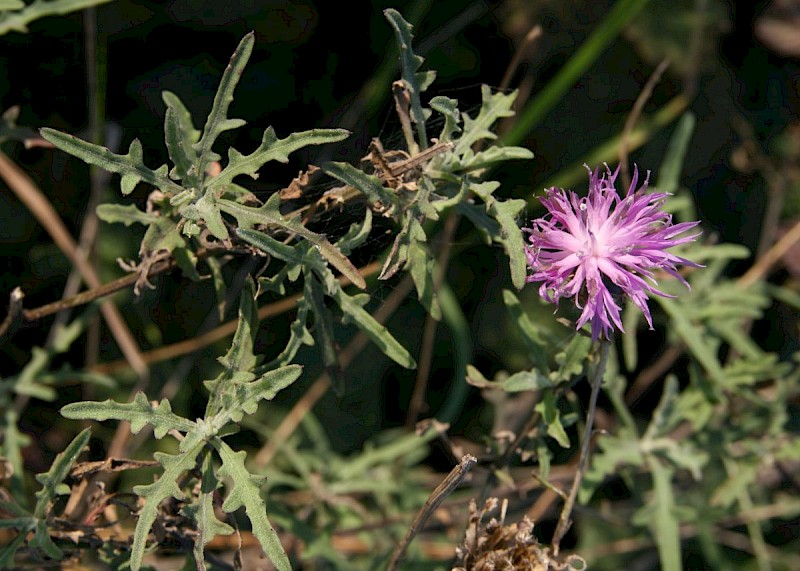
x=292, y=420
x=220, y=332
x=448, y=485
x=564, y=521
x=88, y=295
x=33, y=198
x=654, y=372
x=429, y=332
x=758, y=270
x=533, y=34
x=630, y=122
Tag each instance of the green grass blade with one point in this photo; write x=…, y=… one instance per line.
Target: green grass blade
x=622, y=13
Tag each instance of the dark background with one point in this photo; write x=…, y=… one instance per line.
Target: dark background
x=311, y=61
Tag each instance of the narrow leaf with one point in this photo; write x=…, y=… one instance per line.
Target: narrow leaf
x=10, y=550
x=127, y=215
x=452, y=117
x=217, y=120
x=494, y=107
x=11, y=449
x=240, y=356
x=510, y=237
x=268, y=214
x=179, y=136
x=551, y=416
x=42, y=541
x=370, y=185
x=299, y=335
x=531, y=335
x=356, y=235
x=130, y=166
x=532, y=380
x=59, y=470
x=353, y=310
x=273, y=149
x=493, y=156
x=208, y=526
x=665, y=525
x=245, y=492
x=247, y=395
x=421, y=266
x=324, y=339
x=18, y=21
x=139, y=413
x=202, y=509
x=415, y=82
x=153, y=494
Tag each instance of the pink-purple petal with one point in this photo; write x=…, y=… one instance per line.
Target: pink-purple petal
x=584, y=245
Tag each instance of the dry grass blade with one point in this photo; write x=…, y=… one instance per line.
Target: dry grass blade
x=33, y=198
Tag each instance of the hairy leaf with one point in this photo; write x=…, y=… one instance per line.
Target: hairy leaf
x=139, y=413
x=245, y=491
x=52, y=480
x=217, y=121
x=206, y=208
x=421, y=266
x=494, y=107
x=353, y=309
x=18, y=20
x=208, y=526
x=510, y=236
x=153, y=494
x=180, y=136
x=130, y=166
x=370, y=185
x=127, y=214
x=240, y=355
x=163, y=234
x=452, y=116
x=493, y=156
x=416, y=82
x=202, y=509
x=532, y=380
x=273, y=149
x=551, y=416
x=269, y=215
x=245, y=392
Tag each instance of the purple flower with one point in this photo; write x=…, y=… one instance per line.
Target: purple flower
x=591, y=248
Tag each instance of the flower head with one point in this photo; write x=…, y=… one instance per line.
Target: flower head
x=590, y=248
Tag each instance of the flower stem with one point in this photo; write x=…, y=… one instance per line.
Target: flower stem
x=564, y=521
